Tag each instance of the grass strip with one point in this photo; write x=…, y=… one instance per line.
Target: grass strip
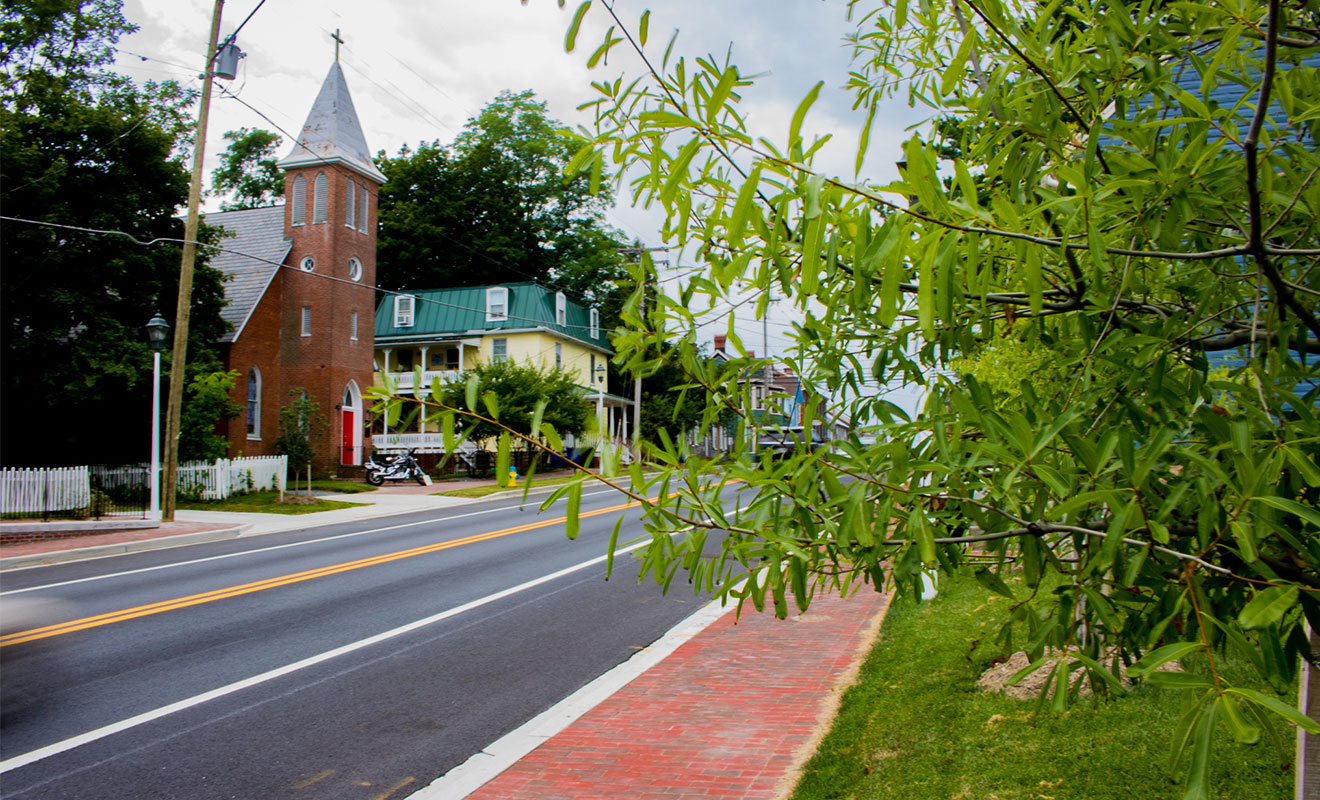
x=342, y=487
x=483, y=491
x=916, y=727
x=267, y=503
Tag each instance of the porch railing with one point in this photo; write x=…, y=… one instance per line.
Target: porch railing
x=422, y=442
x=407, y=381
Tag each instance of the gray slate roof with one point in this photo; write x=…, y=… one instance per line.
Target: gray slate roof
x=332, y=132
x=256, y=232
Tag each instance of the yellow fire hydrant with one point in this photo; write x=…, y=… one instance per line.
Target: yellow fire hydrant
x=513, y=477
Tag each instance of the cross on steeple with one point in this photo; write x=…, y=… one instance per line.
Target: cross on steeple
x=338, y=41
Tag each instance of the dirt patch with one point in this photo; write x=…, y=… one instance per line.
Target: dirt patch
x=299, y=500
x=996, y=678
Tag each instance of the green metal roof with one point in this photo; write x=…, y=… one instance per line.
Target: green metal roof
x=456, y=312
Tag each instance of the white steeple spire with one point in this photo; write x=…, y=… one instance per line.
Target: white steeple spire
x=332, y=133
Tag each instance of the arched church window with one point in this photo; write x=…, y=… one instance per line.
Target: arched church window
x=320, y=199
x=298, y=203
x=254, y=403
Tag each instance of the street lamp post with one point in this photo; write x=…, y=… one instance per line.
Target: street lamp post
x=157, y=331
x=600, y=410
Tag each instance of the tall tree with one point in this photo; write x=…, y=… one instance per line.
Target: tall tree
x=83, y=153
x=1135, y=192
x=496, y=206
x=248, y=171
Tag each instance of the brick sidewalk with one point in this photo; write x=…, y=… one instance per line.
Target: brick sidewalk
x=732, y=714
x=85, y=539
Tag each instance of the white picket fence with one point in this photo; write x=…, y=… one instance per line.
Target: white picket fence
x=227, y=476
x=36, y=491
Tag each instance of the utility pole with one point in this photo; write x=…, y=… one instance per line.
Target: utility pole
x=183, y=312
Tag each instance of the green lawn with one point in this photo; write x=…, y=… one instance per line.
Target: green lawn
x=342, y=487
x=916, y=727
x=267, y=503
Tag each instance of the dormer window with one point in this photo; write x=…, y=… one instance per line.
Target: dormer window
x=350, y=206
x=595, y=323
x=497, y=304
x=298, y=205
x=320, y=198
x=561, y=309
x=403, y=311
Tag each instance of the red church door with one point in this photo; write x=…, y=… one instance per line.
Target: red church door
x=348, y=429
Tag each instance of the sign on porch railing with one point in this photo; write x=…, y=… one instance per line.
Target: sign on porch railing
x=225, y=477
x=36, y=491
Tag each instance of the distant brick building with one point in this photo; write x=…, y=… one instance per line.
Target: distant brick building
x=301, y=290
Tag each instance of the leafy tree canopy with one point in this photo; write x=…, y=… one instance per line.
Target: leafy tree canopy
x=248, y=171
x=80, y=149
x=497, y=206
x=1133, y=192
x=207, y=403
x=518, y=391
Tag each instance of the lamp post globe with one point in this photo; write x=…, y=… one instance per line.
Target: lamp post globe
x=157, y=331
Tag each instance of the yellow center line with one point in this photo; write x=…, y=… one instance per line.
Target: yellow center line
x=283, y=580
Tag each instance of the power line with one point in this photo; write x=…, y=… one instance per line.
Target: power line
x=189, y=70
x=221, y=248
x=229, y=39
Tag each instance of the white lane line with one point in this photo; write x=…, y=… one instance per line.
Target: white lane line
x=205, y=697
x=504, y=752
x=274, y=547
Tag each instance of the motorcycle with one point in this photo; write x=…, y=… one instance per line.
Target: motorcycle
x=396, y=468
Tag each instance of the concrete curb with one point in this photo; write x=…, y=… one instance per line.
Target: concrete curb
x=79, y=525
x=495, y=758
x=97, y=551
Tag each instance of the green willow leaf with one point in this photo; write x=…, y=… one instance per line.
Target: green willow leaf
x=1268, y=606
x=572, y=512
x=570, y=39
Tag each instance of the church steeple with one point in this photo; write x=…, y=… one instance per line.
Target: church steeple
x=332, y=133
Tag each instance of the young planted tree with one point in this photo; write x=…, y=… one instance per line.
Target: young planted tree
x=301, y=427
x=1134, y=192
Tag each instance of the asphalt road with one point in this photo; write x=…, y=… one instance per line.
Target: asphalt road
x=353, y=661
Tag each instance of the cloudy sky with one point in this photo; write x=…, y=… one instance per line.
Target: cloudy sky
x=419, y=70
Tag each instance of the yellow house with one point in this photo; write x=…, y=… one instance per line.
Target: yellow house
x=446, y=331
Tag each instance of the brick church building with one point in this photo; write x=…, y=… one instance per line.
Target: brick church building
x=301, y=287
